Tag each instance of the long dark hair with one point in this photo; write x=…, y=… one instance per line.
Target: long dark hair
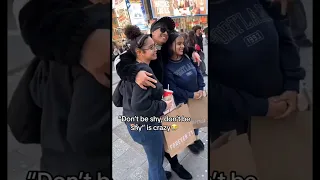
x=191, y=41
x=185, y=36
x=172, y=37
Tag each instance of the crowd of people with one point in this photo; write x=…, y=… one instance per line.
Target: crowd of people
x=65, y=92
x=193, y=39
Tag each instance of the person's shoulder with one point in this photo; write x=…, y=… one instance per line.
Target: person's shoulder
x=126, y=54
x=169, y=63
x=85, y=81
x=169, y=67
x=187, y=58
x=147, y=68
x=144, y=67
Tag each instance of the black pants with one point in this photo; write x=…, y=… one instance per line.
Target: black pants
x=297, y=19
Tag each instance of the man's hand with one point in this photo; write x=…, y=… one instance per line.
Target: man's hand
x=290, y=97
x=276, y=109
x=196, y=58
x=143, y=80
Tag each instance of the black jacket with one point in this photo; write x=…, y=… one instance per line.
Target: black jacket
x=75, y=122
x=127, y=68
x=139, y=102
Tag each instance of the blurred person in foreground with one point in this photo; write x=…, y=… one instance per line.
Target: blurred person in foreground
x=146, y=103
x=70, y=84
x=255, y=64
x=128, y=70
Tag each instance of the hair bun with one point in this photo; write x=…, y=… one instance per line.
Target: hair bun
x=132, y=32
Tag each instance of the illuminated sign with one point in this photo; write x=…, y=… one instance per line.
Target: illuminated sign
x=172, y=8
x=137, y=13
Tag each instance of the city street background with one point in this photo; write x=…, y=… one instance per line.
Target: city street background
x=128, y=157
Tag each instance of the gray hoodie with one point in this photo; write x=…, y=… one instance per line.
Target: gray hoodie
x=75, y=121
x=139, y=102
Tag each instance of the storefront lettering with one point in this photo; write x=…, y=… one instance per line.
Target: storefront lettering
x=162, y=7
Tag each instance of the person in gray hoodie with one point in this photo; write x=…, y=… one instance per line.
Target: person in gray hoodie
x=144, y=103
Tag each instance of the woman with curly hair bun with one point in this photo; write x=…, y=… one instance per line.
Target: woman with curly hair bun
x=144, y=103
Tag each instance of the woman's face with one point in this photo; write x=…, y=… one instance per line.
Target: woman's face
x=148, y=51
x=178, y=46
x=160, y=37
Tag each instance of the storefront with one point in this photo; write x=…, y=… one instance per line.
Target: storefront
x=186, y=23
x=185, y=13
x=120, y=18
x=127, y=12
x=174, y=8
x=137, y=13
